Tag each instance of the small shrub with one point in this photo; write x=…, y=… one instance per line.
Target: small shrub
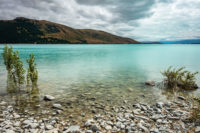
x=14, y=67
x=32, y=73
x=8, y=58
x=18, y=71
x=180, y=78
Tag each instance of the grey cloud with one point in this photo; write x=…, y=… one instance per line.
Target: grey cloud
x=130, y=18
x=93, y=2
x=125, y=10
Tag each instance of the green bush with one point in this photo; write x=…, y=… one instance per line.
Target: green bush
x=8, y=58
x=180, y=78
x=18, y=71
x=32, y=73
x=14, y=67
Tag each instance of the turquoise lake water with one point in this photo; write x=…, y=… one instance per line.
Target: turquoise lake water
x=114, y=72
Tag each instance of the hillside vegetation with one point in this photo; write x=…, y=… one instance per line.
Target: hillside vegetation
x=23, y=30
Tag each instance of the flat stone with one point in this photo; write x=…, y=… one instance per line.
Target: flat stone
x=155, y=117
x=73, y=129
x=34, y=125
x=3, y=103
x=57, y=106
x=173, y=118
x=16, y=116
x=9, y=131
x=27, y=122
x=88, y=131
x=136, y=112
x=48, y=98
x=142, y=117
x=181, y=98
x=2, y=120
x=137, y=105
x=108, y=127
x=159, y=121
x=197, y=129
x=143, y=128
x=154, y=130
x=88, y=123
x=49, y=127
x=17, y=124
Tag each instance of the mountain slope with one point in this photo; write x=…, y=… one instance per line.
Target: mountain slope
x=23, y=30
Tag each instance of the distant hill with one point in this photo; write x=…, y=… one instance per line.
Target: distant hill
x=149, y=42
x=189, y=41
x=23, y=30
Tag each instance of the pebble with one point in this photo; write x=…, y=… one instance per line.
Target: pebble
x=73, y=129
x=143, y=128
x=49, y=127
x=108, y=127
x=94, y=128
x=160, y=117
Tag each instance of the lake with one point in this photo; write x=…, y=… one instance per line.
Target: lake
x=110, y=73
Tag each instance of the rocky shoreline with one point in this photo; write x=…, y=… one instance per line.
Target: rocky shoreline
x=161, y=117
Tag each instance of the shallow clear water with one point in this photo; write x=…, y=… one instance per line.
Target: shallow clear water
x=108, y=72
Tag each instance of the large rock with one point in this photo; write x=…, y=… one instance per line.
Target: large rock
x=48, y=98
x=150, y=83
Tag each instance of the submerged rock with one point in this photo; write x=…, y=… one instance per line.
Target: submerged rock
x=48, y=98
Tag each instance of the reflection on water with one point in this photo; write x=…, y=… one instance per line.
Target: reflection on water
x=24, y=97
x=74, y=74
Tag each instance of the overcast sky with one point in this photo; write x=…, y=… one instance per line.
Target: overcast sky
x=143, y=20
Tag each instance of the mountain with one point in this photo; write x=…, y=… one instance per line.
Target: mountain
x=189, y=41
x=149, y=42
x=24, y=30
